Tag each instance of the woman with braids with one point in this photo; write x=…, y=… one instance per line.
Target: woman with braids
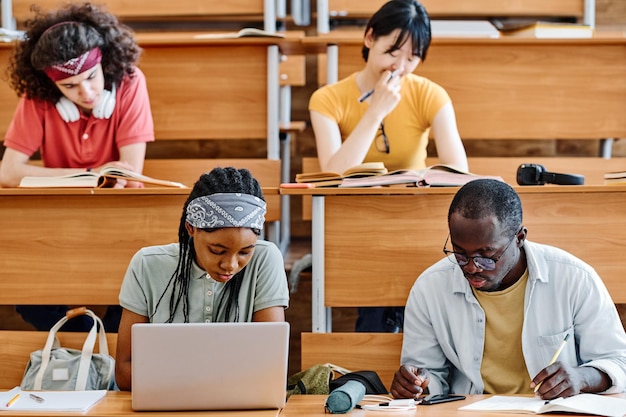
x=217, y=272
x=83, y=104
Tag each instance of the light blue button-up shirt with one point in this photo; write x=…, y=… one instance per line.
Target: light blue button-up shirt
x=444, y=325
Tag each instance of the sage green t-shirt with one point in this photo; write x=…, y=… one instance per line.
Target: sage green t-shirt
x=264, y=285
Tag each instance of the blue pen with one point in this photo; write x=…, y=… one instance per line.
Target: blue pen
x=369, y=93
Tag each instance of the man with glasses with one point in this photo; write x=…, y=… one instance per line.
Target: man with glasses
x=494, y=315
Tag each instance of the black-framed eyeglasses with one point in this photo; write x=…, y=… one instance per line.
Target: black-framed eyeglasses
x=486, y=263
x=382, y=143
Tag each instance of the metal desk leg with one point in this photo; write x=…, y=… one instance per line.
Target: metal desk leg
x=320, y=315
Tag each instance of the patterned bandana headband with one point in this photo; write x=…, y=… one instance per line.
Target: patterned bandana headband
x=74, y=66
x=226, y=210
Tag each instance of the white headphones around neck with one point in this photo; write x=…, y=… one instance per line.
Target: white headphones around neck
x=69, y=112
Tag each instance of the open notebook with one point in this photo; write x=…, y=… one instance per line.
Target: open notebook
x=209, y=366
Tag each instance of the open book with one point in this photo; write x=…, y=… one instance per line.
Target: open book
x=615, y=178
x=600, y=405
x=245, y=32
x=43, y=401
x=106, y=178
x=332, y=179
x=433, y=176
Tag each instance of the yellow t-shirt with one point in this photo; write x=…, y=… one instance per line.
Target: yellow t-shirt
x=407, y=126
x=503, y=367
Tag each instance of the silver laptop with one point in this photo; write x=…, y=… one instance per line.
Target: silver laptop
x=209, y=366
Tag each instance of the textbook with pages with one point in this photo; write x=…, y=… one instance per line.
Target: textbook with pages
x=599, y=405
x=439, y=175
x=243, y=33
x=615, y=178
x=106, y=178
x=333, y=179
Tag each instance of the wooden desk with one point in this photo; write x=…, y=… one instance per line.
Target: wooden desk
x=214, y=88
x=313, y=405
x=362, y=9
x=363, y=239
x=118, y=404
x=511, y=88
x=73, y=246
x=157, y=13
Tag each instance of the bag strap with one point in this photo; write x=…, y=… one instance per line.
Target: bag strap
x=87, y=351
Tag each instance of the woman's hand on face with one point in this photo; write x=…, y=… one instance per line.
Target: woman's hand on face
x=386, y=93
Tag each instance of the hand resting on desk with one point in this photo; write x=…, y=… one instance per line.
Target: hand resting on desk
x=409, y=382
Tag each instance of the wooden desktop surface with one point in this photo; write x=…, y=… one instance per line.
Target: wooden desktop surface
x=475, y=8
x=393, y=234
x=313, y=406
x=72, y=246
x=119, y=404
x=513, y=88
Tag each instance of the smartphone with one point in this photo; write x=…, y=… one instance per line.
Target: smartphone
x=440, y=398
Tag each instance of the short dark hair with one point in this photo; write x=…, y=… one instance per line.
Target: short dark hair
x=407, y=15
x=488, y=197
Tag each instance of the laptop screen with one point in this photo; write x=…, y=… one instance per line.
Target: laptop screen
x=209, y=366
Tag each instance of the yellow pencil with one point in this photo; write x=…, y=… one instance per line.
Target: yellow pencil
x=13, y=400
x=555, y=357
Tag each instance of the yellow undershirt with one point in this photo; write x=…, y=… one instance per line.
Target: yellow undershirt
x=503, y=368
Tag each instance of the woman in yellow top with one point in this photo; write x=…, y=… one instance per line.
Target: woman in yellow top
x=393, y=123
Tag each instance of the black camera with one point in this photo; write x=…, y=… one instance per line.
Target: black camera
x=535, y=174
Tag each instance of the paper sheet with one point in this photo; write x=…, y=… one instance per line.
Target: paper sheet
x=53, y=400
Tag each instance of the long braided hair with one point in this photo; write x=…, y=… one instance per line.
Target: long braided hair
x=219, y=180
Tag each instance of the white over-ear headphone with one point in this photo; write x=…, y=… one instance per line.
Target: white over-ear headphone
x=69, y=111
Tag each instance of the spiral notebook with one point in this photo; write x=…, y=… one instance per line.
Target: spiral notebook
x=209, y=366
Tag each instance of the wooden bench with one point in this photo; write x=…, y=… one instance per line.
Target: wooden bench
x=80, y=241
x=159, y=11
x=378, y=352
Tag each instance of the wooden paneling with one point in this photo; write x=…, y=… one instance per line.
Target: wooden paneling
x=458, y=8
x=155, y=9
x=413, y=228
x=378, y=352
x=200, y=92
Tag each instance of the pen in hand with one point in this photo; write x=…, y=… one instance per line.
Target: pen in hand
x=369, y=93
x=555, y=357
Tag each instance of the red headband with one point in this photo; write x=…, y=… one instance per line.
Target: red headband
x=74, y=66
